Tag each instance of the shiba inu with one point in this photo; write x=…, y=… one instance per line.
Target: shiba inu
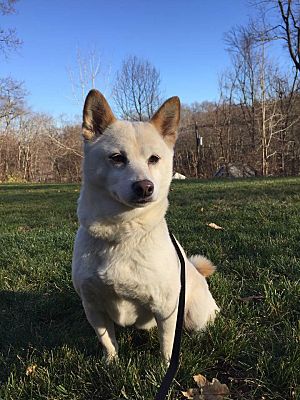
x=125, y=268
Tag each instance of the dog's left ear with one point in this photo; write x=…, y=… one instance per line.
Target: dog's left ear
x=166, y=120
x=97, y=115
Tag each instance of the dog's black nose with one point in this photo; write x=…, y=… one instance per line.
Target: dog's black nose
x=143, y=189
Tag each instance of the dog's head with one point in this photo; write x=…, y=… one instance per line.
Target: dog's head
x=130, y=161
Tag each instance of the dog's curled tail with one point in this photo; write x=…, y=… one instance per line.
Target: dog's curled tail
x=203, y=265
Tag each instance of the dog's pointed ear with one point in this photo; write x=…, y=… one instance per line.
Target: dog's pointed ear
x=166, y=119
x=97, y=115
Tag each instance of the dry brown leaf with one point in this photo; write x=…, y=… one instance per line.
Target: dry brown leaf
x=30, y=370
x=250, y=298
x=192, y=394
x=200, y=380
x=23, y=228
x=214, y=226
x=214, y=390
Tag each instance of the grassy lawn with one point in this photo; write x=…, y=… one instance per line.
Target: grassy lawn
x=49, y=351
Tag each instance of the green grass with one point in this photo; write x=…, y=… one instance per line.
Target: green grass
x=253, y=346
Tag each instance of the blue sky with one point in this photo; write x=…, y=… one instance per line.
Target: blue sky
x=183, y=39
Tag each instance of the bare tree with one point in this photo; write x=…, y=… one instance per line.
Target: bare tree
x=37, y=148
x=8, y=37
x=257, y=91
x=12, y=101
x=90, y=72
x=136, y=92
x=246, y=60
x=290, y=27
x=282, y=22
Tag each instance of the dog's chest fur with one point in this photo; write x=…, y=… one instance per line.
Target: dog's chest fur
x=128, y=279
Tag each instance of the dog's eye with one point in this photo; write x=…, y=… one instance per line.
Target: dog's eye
x=153, y=159
x=118, y=158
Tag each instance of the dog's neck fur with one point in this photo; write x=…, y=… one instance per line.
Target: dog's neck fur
x=123, y=223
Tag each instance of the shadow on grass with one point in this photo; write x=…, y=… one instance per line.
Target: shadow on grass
x=36, y=186
x=40, y=321
x=34, y=322
x=252, y=188
x=43, y=200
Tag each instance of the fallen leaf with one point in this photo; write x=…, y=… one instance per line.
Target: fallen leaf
x=214, y=390
x=23, y=228
x=192, y=394
x=250, y=298
x=30, y=370
x=214, y=226
x=200, y=380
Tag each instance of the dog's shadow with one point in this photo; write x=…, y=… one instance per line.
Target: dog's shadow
x=31, y=321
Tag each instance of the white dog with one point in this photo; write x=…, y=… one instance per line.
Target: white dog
x=125, y=267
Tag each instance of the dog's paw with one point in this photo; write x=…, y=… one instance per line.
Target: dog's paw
x=110, y=358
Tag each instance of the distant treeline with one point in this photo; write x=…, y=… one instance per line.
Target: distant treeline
x=34, y=149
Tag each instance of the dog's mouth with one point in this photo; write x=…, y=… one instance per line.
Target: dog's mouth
x=133, y=202
x=142, y=201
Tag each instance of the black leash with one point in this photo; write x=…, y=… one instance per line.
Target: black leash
x=173, y=366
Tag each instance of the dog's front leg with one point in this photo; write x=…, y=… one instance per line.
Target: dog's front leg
x=166, y=331
x=104, y=328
